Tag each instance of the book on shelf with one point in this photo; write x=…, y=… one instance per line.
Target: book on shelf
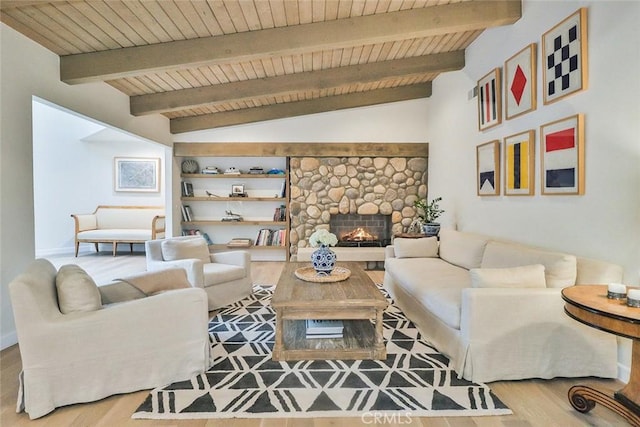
x=187, y=189
x=324, y=328
x=268, y=237
x=187, y=213
x=280, y=214
x=283, y=189
x=239, y=242
x=205, y=236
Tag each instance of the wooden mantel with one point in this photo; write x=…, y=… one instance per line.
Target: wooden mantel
x=300, y=149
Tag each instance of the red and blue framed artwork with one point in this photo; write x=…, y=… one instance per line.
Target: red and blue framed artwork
x=520, y=82
x=562, y=151
x=489, y=100
x=518, y=164
x=488, y=168
x=564, y=57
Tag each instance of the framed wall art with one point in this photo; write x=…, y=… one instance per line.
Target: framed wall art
x=137, y=174
x=562, y=156
x=519, y=170
x=489, y=100
x=564, y=57
x=488, y=168
x=520, y=82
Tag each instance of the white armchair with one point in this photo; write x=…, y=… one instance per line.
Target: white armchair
x=225, y=276
x=89, y=354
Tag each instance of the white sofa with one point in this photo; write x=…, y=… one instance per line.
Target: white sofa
x=510, y=332
x=80, y=343
x=119, y=224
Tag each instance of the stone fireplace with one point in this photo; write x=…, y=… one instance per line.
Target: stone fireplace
x=325, y=187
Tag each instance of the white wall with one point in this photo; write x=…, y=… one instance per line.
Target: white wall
x=73, y=173
x=605, y=222
x=26, y=70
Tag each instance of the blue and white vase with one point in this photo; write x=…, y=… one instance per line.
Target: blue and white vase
x=323, y=260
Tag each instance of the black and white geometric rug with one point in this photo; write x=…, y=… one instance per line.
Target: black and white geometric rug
x=414, y=380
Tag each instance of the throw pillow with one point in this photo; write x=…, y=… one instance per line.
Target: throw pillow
x=425, y=247
x=527, y=276
x=153, y=282
x=197, y=248
x=77, y=292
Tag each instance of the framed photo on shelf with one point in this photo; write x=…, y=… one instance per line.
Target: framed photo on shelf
x=562, y=156
x=519, y=170
x=237, y=190
x=564, y=57
x=488, y=168
x=489, y=104
x=136, y=174
x=520, y=82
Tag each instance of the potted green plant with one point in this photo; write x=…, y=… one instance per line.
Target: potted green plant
x=429, y=212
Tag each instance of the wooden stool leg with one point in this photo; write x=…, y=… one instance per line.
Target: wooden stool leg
x=96, y=245
x=115, y=248
x=77, y=247
x=131, y=247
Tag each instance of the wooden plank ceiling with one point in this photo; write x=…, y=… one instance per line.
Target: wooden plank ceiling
x=213, y=63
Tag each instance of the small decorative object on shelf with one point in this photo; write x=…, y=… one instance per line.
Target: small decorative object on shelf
x=210, y=170
x=232, y=171
x=256, y=170
x=190, y=166
x=230, y=216
x=323, y=258
x=275, y=171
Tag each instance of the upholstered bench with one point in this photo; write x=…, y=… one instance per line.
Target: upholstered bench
x=119, y=224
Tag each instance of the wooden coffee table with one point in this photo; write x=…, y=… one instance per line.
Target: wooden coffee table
x=356, y=301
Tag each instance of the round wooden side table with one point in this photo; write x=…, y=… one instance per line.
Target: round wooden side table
x=589, y=304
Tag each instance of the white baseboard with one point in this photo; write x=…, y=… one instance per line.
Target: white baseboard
x=7, y=340
x=43, y=253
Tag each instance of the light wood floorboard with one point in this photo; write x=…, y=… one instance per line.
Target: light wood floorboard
x=533, y=402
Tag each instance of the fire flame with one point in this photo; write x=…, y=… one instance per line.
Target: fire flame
x=359, y=235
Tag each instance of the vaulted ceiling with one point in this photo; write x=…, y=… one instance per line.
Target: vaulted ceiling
x=213, y=63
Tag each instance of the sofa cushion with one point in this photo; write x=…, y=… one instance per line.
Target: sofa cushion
x=196, y=248
x=560, y=269
x=462, y=249
x=526, y=276
x=435, y=283
x=153, y=282
x=77, y=292
x=416, y=248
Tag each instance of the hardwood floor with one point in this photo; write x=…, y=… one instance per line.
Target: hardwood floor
x=533, y=402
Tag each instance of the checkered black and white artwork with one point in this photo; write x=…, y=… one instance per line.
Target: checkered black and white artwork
x=564, y=57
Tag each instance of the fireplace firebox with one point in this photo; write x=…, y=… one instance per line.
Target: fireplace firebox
x=355, y=230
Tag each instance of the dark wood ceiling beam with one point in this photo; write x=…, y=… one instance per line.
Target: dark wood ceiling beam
x=300, y=108
x=283, y=85
x=246, y=46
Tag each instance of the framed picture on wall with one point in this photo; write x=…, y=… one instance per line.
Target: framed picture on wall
x=519, y=170
x=489, y=104
x=562, y=156
x=136, y=174
x=564, y=57
x=488, y=168
x=520, y=82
